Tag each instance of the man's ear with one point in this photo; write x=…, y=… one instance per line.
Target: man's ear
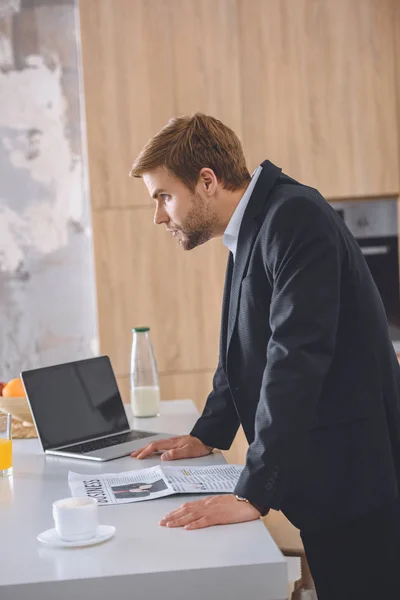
x=208, y=181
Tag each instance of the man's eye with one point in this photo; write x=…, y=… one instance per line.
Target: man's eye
x=165, y=197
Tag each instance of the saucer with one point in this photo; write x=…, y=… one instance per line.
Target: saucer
x=50, y=538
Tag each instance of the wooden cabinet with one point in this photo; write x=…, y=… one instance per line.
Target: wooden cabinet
x=396, y=22
x=318, y=92
x=144, y=278
x=145, y=61
x=309, y=84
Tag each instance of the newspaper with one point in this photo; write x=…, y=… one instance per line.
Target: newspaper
x=155, y=482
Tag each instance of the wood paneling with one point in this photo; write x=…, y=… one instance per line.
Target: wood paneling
x=308, y=84
x=318, y=92
x=206, y=58
x=144, y=278
x=144, y=62
x=236, y=455
x=396, y=35
x=285, y=535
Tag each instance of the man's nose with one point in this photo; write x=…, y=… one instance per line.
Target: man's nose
x=160, y=216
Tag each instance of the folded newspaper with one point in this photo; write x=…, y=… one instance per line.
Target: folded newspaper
x=156, y=482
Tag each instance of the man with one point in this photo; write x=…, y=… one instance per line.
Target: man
x=138, y=490
x=306, y=364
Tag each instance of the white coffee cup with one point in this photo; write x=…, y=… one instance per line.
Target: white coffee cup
x=75, y=519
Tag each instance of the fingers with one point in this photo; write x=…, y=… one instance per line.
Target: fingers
x=176, y=453
x=188, y=520
x=185, y=514
x=155, y=447
x=183, y=509
x=179, y=521
x=175, y=448
x=189, y=450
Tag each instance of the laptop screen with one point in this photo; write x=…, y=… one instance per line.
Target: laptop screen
x=75, y=401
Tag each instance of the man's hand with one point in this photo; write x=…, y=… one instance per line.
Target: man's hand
x=183, y=446
x=217, y=510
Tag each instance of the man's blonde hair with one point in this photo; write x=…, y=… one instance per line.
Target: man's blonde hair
x=189, y=143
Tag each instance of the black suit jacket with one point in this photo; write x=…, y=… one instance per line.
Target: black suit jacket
x=306, y=363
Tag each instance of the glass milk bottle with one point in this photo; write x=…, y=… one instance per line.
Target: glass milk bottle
x=145, y=389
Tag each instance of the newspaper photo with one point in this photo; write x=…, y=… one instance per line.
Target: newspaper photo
x=155, y=482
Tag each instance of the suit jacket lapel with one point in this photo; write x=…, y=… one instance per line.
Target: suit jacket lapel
x=247, y=235
x=225, y=308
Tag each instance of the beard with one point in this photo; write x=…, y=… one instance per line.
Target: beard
x=199, y=226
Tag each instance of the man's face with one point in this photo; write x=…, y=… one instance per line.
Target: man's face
x=189, y=216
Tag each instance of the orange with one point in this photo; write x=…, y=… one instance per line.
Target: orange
x=14, y=388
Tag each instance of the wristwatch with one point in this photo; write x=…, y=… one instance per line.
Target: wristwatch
x=241, y=499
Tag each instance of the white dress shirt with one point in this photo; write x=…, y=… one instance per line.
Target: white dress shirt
x=231, y=234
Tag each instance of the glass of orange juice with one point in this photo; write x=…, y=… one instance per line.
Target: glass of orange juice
x=5, y=445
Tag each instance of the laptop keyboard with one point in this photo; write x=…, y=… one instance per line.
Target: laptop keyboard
x=115, y=440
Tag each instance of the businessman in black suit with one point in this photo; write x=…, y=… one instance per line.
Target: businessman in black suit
x=306, y=363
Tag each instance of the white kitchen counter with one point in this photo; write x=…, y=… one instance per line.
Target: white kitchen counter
x=143, y=560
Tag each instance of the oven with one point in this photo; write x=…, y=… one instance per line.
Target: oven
x=374, y=224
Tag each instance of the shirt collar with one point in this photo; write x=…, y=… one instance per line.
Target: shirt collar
x=231, y=234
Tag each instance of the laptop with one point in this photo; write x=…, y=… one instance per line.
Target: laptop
x=78, y=411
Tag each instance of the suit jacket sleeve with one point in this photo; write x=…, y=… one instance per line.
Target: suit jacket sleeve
x=219, y=421
x=303, y=261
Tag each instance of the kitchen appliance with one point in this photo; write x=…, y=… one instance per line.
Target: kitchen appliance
x=374, y=224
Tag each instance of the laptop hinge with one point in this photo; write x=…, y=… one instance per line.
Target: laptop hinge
x=101, y=437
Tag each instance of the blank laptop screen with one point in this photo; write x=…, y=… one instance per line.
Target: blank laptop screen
x=75, y=401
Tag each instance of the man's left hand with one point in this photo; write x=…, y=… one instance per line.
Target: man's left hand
x=217, y=510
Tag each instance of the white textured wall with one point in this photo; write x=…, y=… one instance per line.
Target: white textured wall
x=47, y=305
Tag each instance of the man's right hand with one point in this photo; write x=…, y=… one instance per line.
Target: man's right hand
x=183, y=446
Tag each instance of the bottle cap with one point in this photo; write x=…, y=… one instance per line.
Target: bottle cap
x=140, y=329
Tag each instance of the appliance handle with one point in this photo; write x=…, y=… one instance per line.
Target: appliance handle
x=373, y=250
